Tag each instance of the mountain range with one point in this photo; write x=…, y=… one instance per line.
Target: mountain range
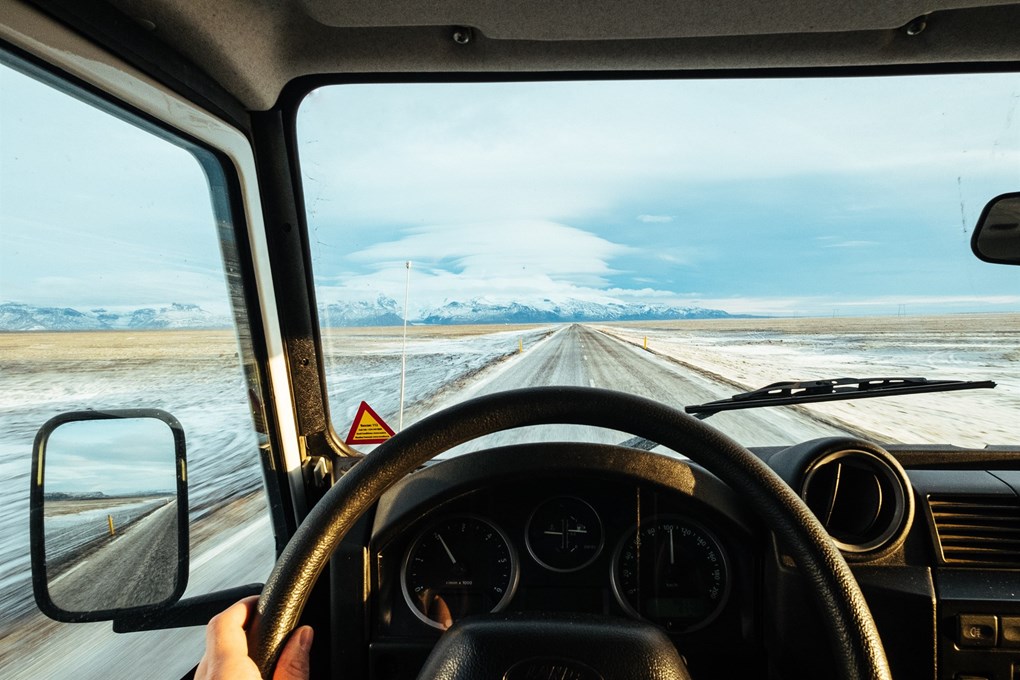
x=560, y=311
x=383, y=311
x=15, y=316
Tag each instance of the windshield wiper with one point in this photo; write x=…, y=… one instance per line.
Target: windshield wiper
x=835, y=389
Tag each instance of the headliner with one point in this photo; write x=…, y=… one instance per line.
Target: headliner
x=253, y=48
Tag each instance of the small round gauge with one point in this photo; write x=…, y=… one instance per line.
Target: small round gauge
x=457, y=566
x=671, y=570
x=564, y=534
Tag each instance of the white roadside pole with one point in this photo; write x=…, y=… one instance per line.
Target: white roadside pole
x=403, y=352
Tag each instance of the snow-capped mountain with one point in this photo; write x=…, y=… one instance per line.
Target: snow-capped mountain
x=563, y=311
x=15, y=316
x=383, y=311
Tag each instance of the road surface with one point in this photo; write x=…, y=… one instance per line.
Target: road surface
x=138, y=567
x=580, y=356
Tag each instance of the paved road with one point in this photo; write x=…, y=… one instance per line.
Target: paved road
x=136, y=568
x=578, y=355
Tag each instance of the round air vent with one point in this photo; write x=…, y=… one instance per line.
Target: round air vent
x=862, y=498
x=857, y=490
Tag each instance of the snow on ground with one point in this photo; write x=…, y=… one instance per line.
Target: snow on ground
x=365, y=366
x=750, y=354
x=196, y=377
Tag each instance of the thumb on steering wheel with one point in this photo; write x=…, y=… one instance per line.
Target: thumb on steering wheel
x=293, y=663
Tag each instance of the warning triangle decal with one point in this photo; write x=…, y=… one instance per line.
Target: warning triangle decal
x=368, y=427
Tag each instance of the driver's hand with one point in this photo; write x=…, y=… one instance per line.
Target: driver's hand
x=226, y=648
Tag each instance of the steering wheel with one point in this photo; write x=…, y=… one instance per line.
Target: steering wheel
x=849, y=625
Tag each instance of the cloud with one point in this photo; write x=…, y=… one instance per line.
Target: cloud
x=848, y=306
x=525, y=191
x=504, y=260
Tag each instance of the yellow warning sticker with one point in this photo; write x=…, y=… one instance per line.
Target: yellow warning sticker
x=368, y=427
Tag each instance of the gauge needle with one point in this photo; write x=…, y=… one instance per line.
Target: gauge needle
x=447, y=549
x=672, y=557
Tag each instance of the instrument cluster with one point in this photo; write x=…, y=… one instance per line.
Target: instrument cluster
x=560, y=546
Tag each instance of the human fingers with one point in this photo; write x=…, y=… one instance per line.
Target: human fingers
x=294, y=661
x=226, y=630
x=226, y=649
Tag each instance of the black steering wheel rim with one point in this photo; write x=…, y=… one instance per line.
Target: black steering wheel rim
x=851, y=629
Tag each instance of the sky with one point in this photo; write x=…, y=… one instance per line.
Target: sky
x=785, y=197
x=115, y=457
x=795, y=197
x=96, y=213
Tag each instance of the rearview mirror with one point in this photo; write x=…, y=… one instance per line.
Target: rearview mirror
x=997, y=235
x=109, y=514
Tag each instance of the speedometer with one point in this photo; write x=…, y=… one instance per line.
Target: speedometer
x=457, y=566
x=671, y=571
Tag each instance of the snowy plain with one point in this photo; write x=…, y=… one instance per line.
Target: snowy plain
x=196, y=376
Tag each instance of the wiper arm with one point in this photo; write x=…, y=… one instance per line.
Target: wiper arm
x=835, y=389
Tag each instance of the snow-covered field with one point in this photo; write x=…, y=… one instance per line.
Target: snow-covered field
x=196, y=376
x=752, y=353
x=364, y=365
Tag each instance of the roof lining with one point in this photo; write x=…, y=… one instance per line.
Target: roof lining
x=294, y=46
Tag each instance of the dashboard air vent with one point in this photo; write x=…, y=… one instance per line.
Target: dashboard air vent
x=861, y=497
x=978, y=531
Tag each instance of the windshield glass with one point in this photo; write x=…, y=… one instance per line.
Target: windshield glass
x=683, y=240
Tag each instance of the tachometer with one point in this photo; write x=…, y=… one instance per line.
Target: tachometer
x=457, y=566
x=672, y=571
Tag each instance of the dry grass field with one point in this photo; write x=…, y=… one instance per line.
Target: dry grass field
x=45, y=349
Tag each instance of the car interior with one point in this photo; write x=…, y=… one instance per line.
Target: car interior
x=835, y=557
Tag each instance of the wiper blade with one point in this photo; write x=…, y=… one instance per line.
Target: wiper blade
x=834, y=389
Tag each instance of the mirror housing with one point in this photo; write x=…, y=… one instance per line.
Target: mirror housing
x=996, y=238
x=109, y=531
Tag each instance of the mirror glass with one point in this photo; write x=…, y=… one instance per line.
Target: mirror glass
x=111, y=519
x=997, y=237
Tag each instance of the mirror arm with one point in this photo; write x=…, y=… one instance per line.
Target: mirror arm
x=192, y=611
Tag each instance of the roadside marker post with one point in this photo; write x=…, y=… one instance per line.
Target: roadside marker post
x=646, y=342
x=109, y=518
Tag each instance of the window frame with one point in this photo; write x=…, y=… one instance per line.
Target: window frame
x=59, y=58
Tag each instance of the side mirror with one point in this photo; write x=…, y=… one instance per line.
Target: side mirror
x=996, y=238
x=109, y=514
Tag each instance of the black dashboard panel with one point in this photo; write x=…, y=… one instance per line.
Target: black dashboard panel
x=920, y=603
x=704, y=567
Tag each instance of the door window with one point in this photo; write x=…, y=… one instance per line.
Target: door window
x=114, y=295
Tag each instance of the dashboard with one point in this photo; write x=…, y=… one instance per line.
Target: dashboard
x=566, y=529
x=580, y=529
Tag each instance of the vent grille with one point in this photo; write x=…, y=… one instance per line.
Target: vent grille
x=977, y=531
x=861, y=499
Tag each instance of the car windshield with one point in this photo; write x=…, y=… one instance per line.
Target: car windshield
x=682, y=240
